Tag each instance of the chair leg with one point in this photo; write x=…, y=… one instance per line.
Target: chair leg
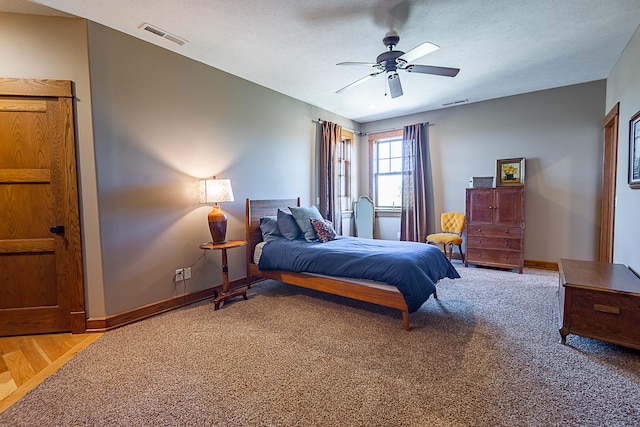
x=447, y=253
x=461, y=253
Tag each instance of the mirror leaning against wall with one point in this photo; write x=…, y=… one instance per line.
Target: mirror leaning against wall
x=364, y=215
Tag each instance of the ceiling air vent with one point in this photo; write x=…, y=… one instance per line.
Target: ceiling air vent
x=461, y=101
x=162, y=33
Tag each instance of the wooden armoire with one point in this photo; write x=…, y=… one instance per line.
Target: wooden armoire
x=495, y=227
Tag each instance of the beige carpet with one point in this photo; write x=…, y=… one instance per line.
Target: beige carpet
x=485, y=354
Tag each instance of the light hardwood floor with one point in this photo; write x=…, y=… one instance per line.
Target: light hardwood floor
x=25, y=361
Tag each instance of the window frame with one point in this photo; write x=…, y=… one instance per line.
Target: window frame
x=345, y=169
x=374, y=138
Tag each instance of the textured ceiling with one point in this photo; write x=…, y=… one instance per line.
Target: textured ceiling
x=503, y=47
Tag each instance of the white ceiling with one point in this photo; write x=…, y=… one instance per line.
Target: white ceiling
x=503, y=47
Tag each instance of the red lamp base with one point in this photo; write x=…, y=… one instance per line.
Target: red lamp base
x=217, y=225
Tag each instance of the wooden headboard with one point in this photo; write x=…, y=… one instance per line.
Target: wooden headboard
x=257, y=209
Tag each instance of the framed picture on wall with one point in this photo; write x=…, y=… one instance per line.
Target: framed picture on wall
x=634, y=151
x=510, y=172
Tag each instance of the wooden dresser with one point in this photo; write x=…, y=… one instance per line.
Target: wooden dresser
x=495, y=227
x=599, y=300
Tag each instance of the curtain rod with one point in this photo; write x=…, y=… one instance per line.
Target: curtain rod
x=389, y=130
x=320, y=121
x=360, y=133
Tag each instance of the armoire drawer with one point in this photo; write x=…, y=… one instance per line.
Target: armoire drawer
x=490, y=256
x=493, y=231
x=486, y=242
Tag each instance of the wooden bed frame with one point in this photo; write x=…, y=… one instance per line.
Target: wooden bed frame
x=259, y=208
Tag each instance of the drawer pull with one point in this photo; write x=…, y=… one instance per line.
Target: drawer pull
x=606, y=308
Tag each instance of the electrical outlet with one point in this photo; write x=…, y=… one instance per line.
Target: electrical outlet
x=187, y=273
x=179, y=274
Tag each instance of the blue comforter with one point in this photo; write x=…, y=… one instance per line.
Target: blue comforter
x=410, y=266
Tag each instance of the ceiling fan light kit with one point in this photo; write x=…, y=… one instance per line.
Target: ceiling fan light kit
x=391, y=61
x=395, y=88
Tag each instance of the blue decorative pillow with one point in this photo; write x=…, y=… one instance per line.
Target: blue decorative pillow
x=303, y=216
x=288, y=226
x=324, y=229
x=269, y=228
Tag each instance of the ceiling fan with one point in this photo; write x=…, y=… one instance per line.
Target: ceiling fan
x=391, y=61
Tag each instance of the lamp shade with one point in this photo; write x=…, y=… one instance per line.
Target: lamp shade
x=215, y=191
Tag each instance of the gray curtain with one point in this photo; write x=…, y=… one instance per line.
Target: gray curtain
x=415, y=145
x=330, y=205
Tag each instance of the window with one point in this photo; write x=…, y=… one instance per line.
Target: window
x=345, y=149
x=386, y=169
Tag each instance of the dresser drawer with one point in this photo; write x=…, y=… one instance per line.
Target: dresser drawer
x=615, y=316
x=493, y=257
x=493, y=231
x=487, y=242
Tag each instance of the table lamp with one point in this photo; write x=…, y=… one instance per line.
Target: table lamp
x=216, y=191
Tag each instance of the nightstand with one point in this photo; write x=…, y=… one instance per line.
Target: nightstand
x=226, y=294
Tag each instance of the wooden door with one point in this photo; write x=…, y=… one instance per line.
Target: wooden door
x=41, y=285
x=508, y=206
x=480, y=206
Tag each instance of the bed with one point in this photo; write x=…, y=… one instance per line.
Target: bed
x=368, y=290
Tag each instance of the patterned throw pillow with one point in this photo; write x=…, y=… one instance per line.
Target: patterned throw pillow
x=323, y=229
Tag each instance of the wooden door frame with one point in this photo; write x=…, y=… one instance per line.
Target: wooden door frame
x=73, y=266
x=609, y=171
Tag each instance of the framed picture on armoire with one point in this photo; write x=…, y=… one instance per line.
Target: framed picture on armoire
x=510, y=172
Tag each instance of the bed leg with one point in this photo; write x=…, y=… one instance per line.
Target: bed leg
x=405, y=320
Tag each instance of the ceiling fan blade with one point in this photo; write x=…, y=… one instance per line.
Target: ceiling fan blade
x=357, y=82
x=419, y=51
x=428, y=69
x=394, y=85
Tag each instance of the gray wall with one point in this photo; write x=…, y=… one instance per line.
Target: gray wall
x=623, y=85
x=558, y=131
x=161, y=122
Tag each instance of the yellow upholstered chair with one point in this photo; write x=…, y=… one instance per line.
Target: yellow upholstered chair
x=452, y=224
